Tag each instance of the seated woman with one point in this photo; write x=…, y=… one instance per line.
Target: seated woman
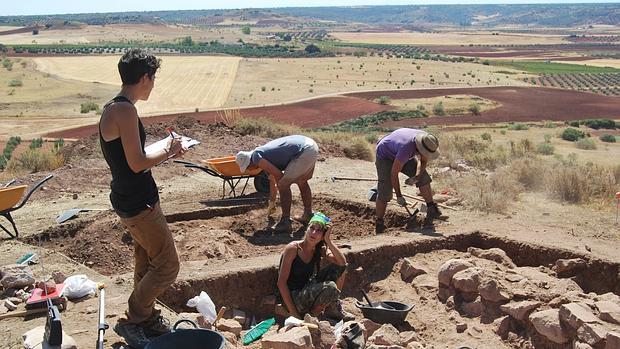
x=303, y=286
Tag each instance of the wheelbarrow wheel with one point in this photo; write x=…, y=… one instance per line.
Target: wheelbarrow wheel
x=261, y=182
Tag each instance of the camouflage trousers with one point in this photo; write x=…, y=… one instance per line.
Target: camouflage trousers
x=320, y=289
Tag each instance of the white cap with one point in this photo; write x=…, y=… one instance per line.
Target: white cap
x=243, y=159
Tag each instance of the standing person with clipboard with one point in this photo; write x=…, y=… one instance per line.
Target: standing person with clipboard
x=135, y=198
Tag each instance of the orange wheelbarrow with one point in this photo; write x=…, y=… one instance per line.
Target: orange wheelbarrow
x=227, y=169
x=9, y=199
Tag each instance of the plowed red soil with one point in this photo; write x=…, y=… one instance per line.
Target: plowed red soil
x=517, y=104
x=310, y=113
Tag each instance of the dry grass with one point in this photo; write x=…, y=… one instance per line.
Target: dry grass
x=354, y=146
x=230, y=117
x=518, y=168
x=35, y=160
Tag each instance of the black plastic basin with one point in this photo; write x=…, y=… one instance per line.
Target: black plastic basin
x=381, y=315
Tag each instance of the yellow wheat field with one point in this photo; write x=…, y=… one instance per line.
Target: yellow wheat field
x=183, y=83
x=451, y=38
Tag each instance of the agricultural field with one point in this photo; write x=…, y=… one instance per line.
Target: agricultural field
x=269, y=81
x=610, y=63
x=447, y=105
x=450, y=38
x=603, y=83
x=93, y=34
x=183, y=84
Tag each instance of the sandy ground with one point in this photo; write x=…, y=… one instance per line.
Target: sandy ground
x=452, y=38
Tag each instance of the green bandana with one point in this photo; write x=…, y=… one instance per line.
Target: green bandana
x=320, y=218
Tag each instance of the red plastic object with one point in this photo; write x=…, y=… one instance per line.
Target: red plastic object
x=38, y=295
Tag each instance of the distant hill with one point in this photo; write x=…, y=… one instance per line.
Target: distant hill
x=555, y=15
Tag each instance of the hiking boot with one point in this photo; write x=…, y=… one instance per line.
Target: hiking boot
x=379, y=226
x=284, y=226
x=432, y=211
x=133, y=334
x=156, y=325
x=336, y=311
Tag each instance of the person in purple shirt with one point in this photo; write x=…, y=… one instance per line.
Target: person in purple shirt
x=396, y=153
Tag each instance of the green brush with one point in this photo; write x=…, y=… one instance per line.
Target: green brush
x=257, y=331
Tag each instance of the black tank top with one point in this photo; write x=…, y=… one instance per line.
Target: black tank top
x=301, y=272
x=131, y=192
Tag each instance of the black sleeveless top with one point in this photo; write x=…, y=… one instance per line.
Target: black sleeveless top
x=301, y=272
x=131, y=192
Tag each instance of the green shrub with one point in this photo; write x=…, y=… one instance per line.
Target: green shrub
x=545, y=148
x=88, y=106
x=36, y=143
x=608, y=138
x=438, y=109
x=600, y=123
x=59, y=143
x=35, y=160
x=574, y=123
x=486, y=136
x=549, y=124
x=586, y=144
x=15, y=83
x=474, y=108
x=503, y=132
x=7, y=64
x=572, y=134
x=246, y=30
x=516, y=126
x=384, y=100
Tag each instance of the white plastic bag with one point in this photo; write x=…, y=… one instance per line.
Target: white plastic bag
x=78, y=286
x=205, y=306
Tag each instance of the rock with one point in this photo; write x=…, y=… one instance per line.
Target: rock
x=311, y=319
x=461, y=327
x=592, y=334
x=15, y=300
x=408, y=337
x=34, y=339
x=612, y=340
x=547, y=324
x=295, y=338
x=58, y=277
x=230, y=338
x=444, y=292
x=408, y=270
x=493, y=254
x=467, y=280
x=472, y=309
x=385, y=335
x=229, y=325
x=239, y=316
x=501, y=326
x=424, y=283
x=519, y=310
x=16, y=276
x=576, y=314
x=491, y=291
x=49, y=286
x=610, y=297
x=372, y=346
x=608, y=311
x=370, y=327
x=192, y=317
x=451, y=267
x=415, y=345
x=326, y=337
x=450, y=302
x=9, y=305
x=566, y=267
x=580, y=345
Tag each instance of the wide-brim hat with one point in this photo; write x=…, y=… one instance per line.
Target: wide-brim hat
x=243, y=159
x=427, y=145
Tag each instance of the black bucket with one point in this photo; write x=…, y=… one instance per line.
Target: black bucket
x=194, y=338
x=382, y=315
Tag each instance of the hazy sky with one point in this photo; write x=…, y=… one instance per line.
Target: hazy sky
x=37, y=7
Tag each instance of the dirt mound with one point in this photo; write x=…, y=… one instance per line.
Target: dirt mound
x=103, y=244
